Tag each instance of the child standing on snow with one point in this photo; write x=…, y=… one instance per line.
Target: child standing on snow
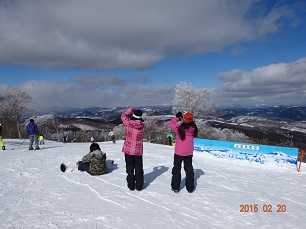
x=183, y=151
x=41, y=140
x=169, y=136
x=133, y=147
x=1, y=142
x=93, y=163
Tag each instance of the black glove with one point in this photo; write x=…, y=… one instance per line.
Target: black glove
x=179, y=115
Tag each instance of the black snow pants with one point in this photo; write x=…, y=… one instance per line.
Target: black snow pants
x=176, y=172
x=134, y=170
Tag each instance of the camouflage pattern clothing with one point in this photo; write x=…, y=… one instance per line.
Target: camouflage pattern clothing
x=97, y=162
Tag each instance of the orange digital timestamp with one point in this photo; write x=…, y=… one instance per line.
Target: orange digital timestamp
x=262, y=208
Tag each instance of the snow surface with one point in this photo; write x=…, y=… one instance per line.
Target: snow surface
x=34, y=193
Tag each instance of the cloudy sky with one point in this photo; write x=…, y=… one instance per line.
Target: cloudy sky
x=84, y=53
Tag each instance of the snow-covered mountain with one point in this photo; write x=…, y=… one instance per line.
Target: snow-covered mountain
x=279, y=113
x=110, y=115
x=275, y=123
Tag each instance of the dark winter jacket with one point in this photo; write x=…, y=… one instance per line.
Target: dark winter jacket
x=32, y=129
x=0, y=130
x=97, y=162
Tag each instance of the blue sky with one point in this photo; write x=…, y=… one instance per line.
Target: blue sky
x=131, y=53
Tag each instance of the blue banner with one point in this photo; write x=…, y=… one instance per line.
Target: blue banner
x=246, y=151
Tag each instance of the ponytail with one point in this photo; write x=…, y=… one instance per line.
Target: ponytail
x=183, y=127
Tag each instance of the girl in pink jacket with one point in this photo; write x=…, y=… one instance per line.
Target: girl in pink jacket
x=133, y=147
x=183, y=151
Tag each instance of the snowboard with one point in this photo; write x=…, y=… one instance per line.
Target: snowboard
x=63, y=166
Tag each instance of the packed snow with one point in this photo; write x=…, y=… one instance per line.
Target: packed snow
x=229, y=193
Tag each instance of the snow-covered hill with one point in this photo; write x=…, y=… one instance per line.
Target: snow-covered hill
x=34, y=193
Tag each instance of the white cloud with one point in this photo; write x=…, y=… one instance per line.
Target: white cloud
x=99, y=81
x=125, y=34
x=274, y=84
x=48, y=96
x=282, y=83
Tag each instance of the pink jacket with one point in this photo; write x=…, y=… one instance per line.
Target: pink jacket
x=182, y=148
x=133, y=144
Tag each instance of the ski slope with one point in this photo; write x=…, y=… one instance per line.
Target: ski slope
x=233, y=194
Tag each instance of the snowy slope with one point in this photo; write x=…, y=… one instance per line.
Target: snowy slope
x=34, y=193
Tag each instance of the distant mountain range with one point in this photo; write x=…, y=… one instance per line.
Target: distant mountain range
x=110, y=115
x=279, y=113
x=275, y=124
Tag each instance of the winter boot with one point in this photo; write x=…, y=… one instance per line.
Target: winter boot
x=109, y=163
x=69, y=167
x=63, y=167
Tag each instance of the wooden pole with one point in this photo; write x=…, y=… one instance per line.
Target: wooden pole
x=301, y=158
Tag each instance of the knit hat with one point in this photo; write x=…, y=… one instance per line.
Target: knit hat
x=187, y=118
x=94, y=146
x=137, y=114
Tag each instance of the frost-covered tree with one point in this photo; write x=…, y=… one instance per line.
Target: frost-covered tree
x=14, y=105
x=55, y=124
x=156, y=130
x=207, y=132
x=196, y=101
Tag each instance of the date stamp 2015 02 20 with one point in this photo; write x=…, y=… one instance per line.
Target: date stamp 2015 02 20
x=263, y=208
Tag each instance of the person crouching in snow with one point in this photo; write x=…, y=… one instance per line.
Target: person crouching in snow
x=93, y=163
x=133, y=147
x=183, y=151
